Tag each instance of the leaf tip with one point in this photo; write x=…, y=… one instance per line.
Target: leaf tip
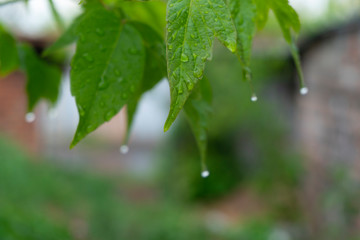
x=232, y=46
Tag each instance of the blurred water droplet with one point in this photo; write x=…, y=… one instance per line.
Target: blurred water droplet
x=184, y=57
x=304, y=91
x=133, y=50
x=99, y=32
x=109, y=115
x=124, y=149
x=254, y=98
x=81, y=110
x=198, y=72
x=132, y=88
x=190, y=86
x=88, y=57
x=180, y=91
x=102, y=84
x=90, y=128
x=205, y=173
x=30, y=117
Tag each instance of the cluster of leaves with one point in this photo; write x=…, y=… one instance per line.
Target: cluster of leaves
x=121, y=53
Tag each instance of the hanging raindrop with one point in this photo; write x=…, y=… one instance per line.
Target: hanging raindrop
x=254, y=98
x=304, y=91
x=30, y=117
x=124, y=149
x=205, y=173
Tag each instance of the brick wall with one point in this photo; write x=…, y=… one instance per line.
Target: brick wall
x=12, y=113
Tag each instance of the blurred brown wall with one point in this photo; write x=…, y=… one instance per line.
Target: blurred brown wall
x=13, y=106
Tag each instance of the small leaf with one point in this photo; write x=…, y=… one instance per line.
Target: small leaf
x=243, y=13
x=56, y=15
x=69, y=37
x=150, y=13
x=192, y=26
x=9, y=60
x=287, y=18
x=198, y=112
x=263, y=7
x=154, y=71
x=43, y=79
x=107, y=68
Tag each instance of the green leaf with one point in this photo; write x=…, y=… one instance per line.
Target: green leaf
x=69, y=37
x=155, y=68
x=150, y=13
x=9, y=60
x=191, y=28
x=198, y=112
x=107, y=68
x=43, y=79
x=56, y=15
x=287, y=18
x=243, y=13
x=263, y=7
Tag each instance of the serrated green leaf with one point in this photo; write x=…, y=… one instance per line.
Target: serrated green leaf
x=198, y=112
x=69, y=36
x=107, y=68
x=43, y=79
x=287, y=18
x=191, y=28
x=56, y=15
x=9, y=60
x=263, y=7
x=154, y=71
x=151, y=13
x=243, y=13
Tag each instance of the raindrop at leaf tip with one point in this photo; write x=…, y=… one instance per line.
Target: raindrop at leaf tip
x=30, y=117
x=124, y=149
x=205, y=173
x=304, y=91
x=254, y=98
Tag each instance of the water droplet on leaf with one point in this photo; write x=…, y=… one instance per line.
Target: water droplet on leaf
x=90, y=128
x=190, y=86
x=133, y=50
x=132, y=88
x=81, y=110
x=102, y=84
x=198, y=72
x=109, y=115
x=99, y=32
x=88, y=57
x=184, y=57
